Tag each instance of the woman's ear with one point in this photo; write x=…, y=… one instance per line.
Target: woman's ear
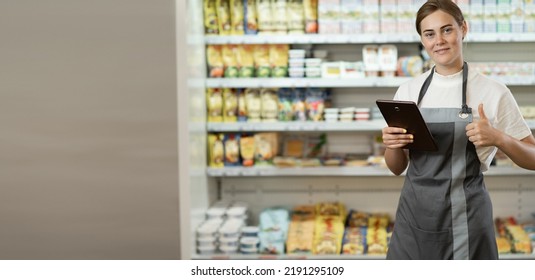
x=464, y=28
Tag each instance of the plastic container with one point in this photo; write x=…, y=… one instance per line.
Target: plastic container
x=296, y=62
x=206, y=241
x=214, y=213
x=228, y=249
x=313, y=62
x=249, y=231
x=208, y=230
x=229, y=241
x=313, y=72
x=236, y=212
x=296, y=72
x=249, y=243
x=296, y=53
x=206, y=250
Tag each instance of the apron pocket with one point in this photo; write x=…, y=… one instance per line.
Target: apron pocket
x=433, y=245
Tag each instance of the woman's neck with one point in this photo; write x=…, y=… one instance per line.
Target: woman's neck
x=451, y=69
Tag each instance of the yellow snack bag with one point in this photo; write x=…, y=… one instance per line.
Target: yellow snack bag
x=210, y=17
x=223, y=16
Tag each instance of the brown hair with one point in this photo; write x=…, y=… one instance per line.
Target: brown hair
x=431, y=6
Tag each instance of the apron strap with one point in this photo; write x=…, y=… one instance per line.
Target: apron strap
x=464, y=109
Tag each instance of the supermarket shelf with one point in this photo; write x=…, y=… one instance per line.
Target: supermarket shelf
x=370, y=171
x=357, y=38
x=357, y=126
x=325, y=257
x=363, y=126
x=312, y=39
x=334, y=82
x=237, y=171
x=304, y=82
x=286, y=257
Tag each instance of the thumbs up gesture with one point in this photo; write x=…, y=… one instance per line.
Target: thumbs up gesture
x=480, y=132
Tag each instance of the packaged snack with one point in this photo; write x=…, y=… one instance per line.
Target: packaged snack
x=215, y=61
x=270, y=104
x=279, y=14
x=245, y=61
x=242, y=106
x=273, y=230
x=247, y=149
x=265, y=17
x=293, y=146
x=266, y=147
x=253, y=104
x=284, y=161
x=251, y=24
x=230, y=105
x=315, y=145
x=214, y=104
x=216, y=150
x=278, y=58
x=315, y=104
x=388, y=56
x=229, y=61
x=370, y=56
x=236, y=17
x=262, y=60
x=210, y=18
x=299, y=107
x=296, y=17
x=232, y=149
x=223, y=16
x=285, y=104
x=310, y=8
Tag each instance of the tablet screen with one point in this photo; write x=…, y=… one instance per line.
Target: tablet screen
x=406, y=114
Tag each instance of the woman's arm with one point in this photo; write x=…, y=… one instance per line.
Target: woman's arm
x=482, y=134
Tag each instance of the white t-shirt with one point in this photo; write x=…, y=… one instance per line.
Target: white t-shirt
x=446, y=92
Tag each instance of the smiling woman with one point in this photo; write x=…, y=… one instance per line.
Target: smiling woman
x=444, y=211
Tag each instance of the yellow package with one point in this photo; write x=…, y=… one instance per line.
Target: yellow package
x=214, y=104
x=278, y=58
x=251, y=24
x=228, y=53
x=247, y=150
x=310, y=8
x=210, y=17
x=262, y=60
x=265, y=16
x=253, y=104
x=215, y=61
x=223, y=16
x=236, y=17
x=296, y=17
x=230, y=105
x=270, y=105
x=216, y=152
x=245, y=60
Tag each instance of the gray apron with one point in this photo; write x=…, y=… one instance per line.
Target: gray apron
x=444, y=210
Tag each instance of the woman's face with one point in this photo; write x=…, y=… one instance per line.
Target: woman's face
x=442, y=39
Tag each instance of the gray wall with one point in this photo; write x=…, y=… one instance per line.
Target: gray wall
x=88, y=130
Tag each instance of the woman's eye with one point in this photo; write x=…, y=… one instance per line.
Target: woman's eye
x=447, y=30
x=428, y=35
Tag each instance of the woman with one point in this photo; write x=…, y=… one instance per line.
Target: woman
x=444, y=210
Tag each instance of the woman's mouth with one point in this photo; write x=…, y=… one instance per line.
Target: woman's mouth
x=441, y=51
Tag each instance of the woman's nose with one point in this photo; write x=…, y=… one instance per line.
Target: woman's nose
x=439, y=39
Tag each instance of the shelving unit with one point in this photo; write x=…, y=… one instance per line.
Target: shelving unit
x=367, y=188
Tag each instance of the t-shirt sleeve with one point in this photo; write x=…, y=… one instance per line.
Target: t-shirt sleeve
x=509, y=118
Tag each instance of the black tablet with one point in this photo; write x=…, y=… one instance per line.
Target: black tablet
x=406, y=114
